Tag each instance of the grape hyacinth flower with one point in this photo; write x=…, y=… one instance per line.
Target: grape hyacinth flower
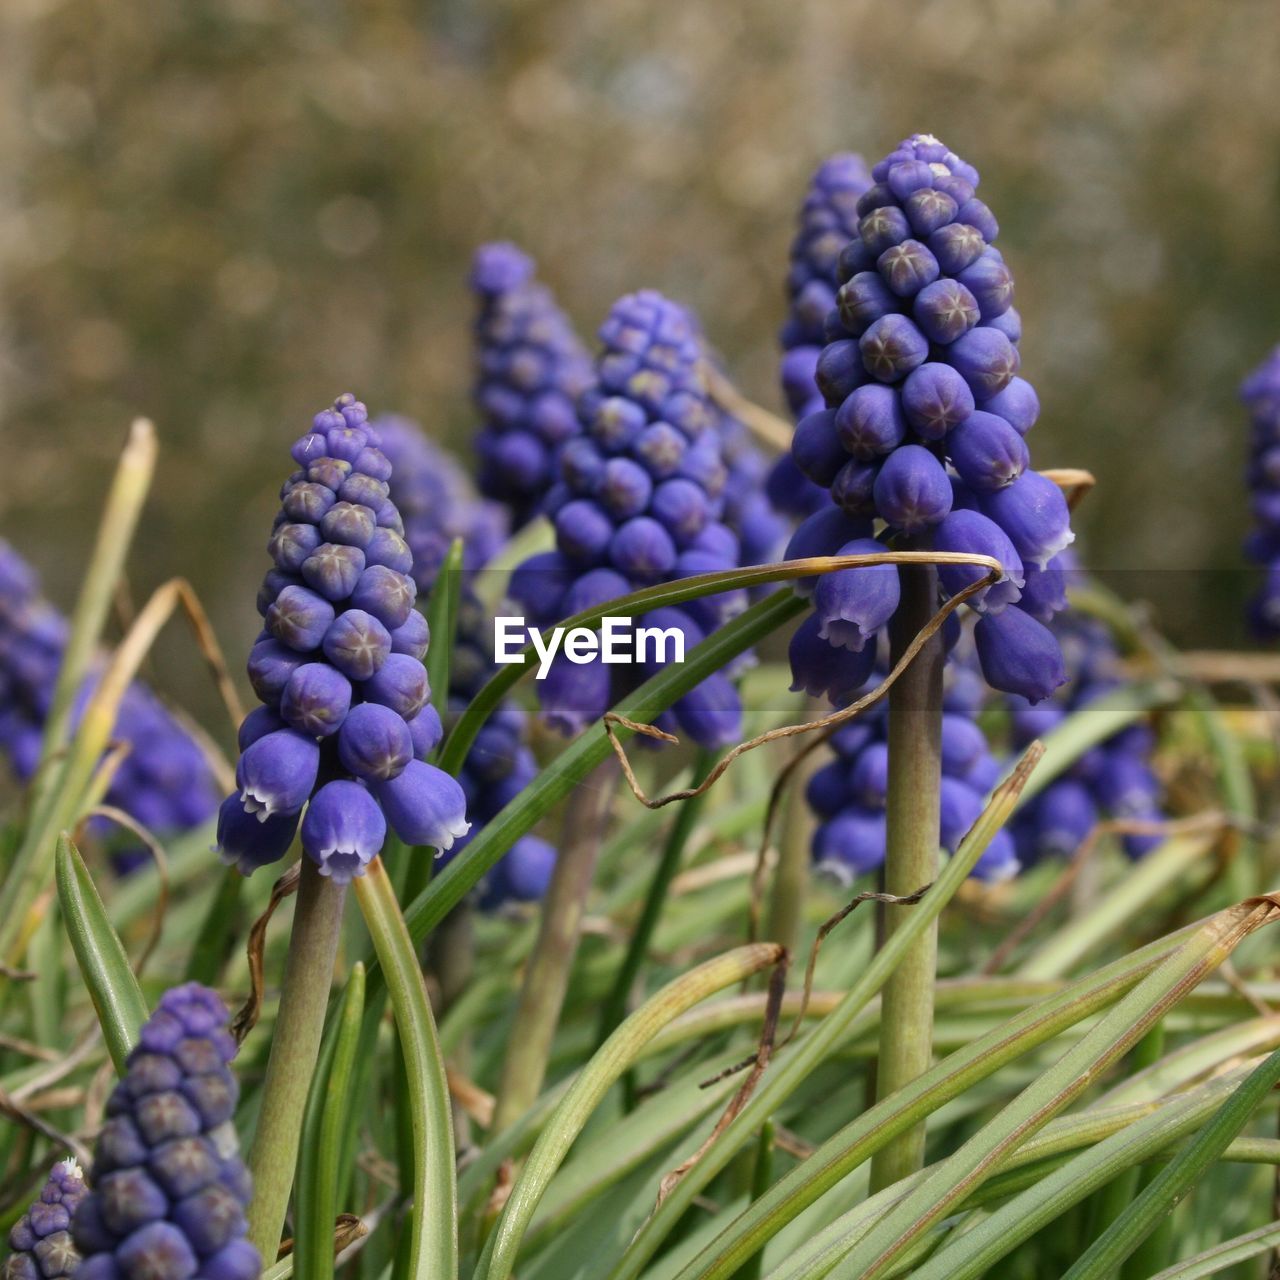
x=1260, y=392
x=849, y=794
x=828, y=220
x=530, y=371
x=1112, y=780
x=163, y=780
x=639, y=501
x=920, y=435
x=761, y=529
x=169, y=1187
x=41, y=1239
x=438, y=504
x=345, y=725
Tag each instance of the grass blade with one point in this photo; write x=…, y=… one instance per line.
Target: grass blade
x=116, y=996
x=433, y=1228
x=1224, y=1255
x=1176, y=1179
x=618, y=1053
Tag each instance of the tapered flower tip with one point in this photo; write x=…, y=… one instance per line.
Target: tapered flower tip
x=921, y=150
x=41, y=1239
x=1033, y=512
x=343, y=830
x=425, y=806
x=374, y=742
x=246, y=843
x=853, y=604
x=574, y=695
x=851, y=844
x=972, y=533
x=275, y=775
x=500, y=266
x=911, y=490
x=1019, y=655
x=820, y=669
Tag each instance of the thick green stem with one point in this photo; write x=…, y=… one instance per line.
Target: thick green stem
x=547, y=977
x=295, y=1043
x=911, y=862
x=791, y=879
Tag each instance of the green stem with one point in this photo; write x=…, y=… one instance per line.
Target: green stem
x=615, y=1005
x=761, y=1180
x=911, y=863
x=791, y=880
x=546, y=978
x=295, y=1043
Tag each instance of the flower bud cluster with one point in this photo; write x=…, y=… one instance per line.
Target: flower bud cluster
x=1260, y=392
x=762, y=529
x=169, y=1189
x=921, y=440
x=438, y=504
x=828, y=221
x=346, y=724
x=41, y=1239
x=849, y=794
x=531, y=369
x=163, y=780
x=639, y=501
x=1111, y=780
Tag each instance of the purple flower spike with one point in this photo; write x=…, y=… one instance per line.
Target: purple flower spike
x=386, y=594
x=412, y=636
x=1017, y=404
x=945, y=311
x=425, y=730
x=333, y=570
x=711, y=713
x=853, y=604
x=1019, y=655
x=935, y=398
x=246, y=843
x=574, y=697
x=870, y=423
x=357, y=644
x=893, y=346
x=817, y=448
x=343, y=830
x=375, y=743
x=41, y=1239
x=276, y=774
x=316, y=699
x=985, y=359
x=1033, y=512
x=912, y=491
x=1261, y=395
x=971, y=533
x=1044, y=593
x=987, y=452
x=169, y=1188
x=270, y=667
x=530, y=372
x=299, y=618
x=850, y=845
x=425, y=806
x=401, y=684
x=643, y=550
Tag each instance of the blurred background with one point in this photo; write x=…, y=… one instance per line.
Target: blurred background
x=222, y=213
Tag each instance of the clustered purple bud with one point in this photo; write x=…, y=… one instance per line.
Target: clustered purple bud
x=848, y=794
x=919, y=436
x=163, y=780
x=437, y=504
x=640, y=500
x=169, y=1189
x=761, y=529
x=530, y=371
x=828, y=220
x=345, y=726
x=1260, y=392
x=41, y=1243
x=1113, y=779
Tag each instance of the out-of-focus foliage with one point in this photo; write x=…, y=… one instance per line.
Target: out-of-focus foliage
x=212, y=212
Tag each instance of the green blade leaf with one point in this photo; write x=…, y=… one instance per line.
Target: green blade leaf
x=1224, y=1255
x=329, y=1101
x=619, y=1052
x=433, y=1228
x=1176, y=1179
x=116, y=996
x=442, y=621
